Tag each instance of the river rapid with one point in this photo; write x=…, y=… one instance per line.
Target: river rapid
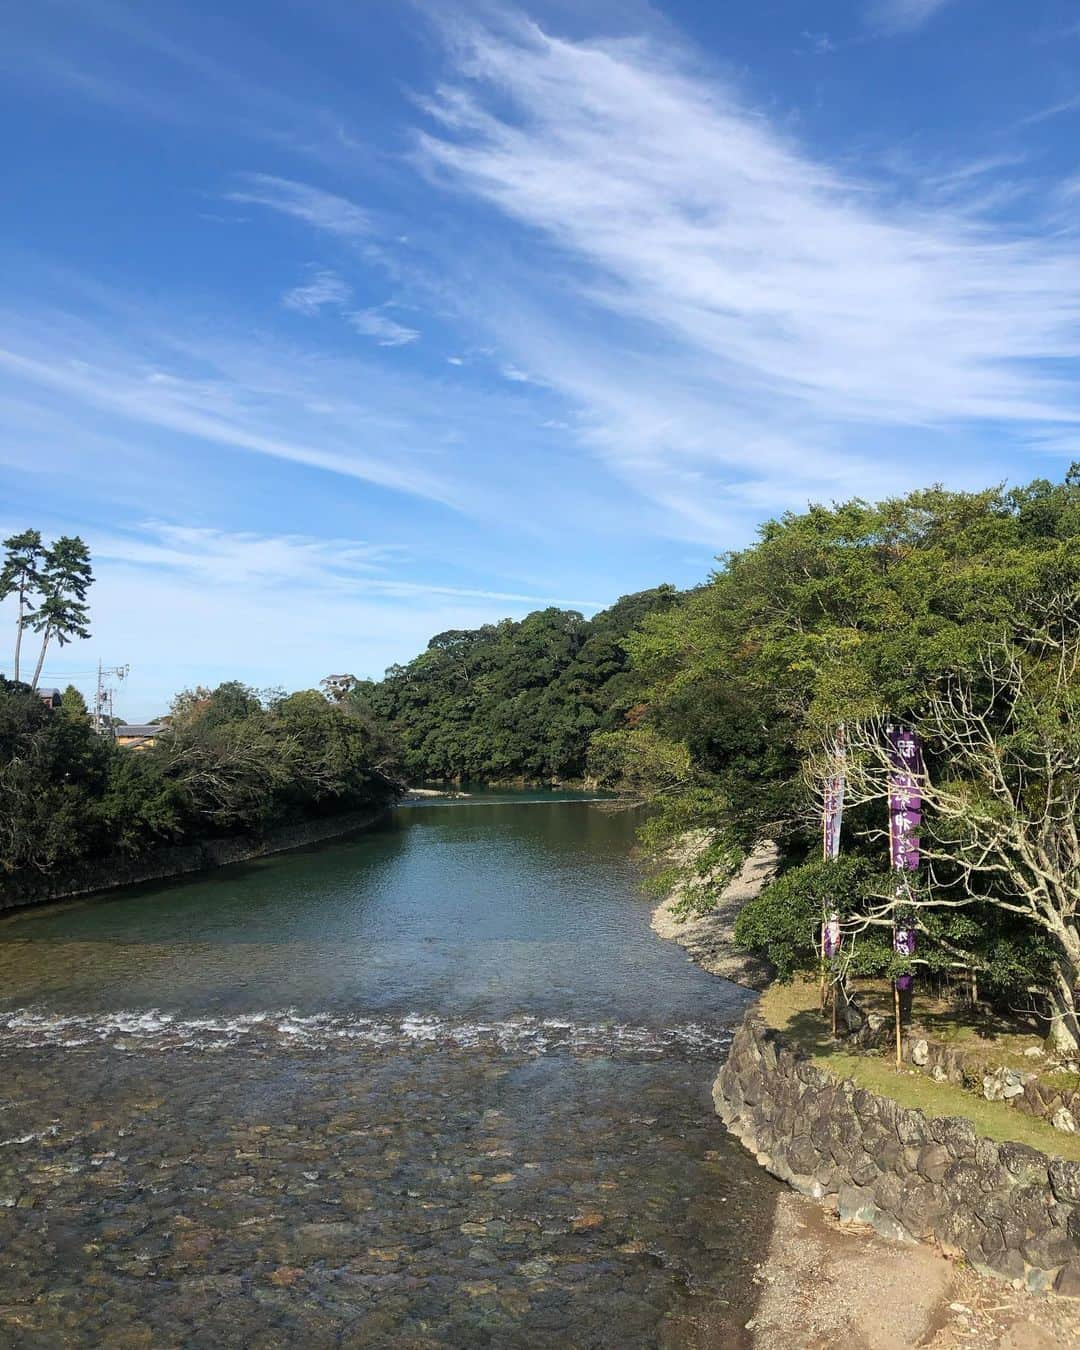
x=437, y=1084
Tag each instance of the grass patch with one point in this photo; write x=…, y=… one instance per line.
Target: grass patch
x=793, y=1010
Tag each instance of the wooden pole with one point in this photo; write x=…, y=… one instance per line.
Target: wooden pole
x=896, y=1012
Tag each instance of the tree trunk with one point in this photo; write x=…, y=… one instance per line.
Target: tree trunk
x=19, y=633
x=1064, y=1033
x=41, y=658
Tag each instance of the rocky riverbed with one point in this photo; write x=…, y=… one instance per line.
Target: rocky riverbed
x=422, y=1192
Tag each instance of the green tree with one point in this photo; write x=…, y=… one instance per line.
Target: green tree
x=63, y=613
x=20, y=575
x=513, y=699
x=73, y=705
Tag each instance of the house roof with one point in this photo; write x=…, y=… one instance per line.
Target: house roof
x=138, y=729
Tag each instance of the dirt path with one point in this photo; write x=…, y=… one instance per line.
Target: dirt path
x=823, y=1285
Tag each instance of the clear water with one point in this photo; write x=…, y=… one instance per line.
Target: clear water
x=488, y=907
x=434, y=1084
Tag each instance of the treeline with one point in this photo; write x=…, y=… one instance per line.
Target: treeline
x=956, y=614
x=513, y=699
x=228, y=761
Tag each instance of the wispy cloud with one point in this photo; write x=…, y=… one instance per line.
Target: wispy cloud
x=821, y=44
x=387, y=332
x=186, y=605
x=1051, y=110
x=323, y=210
x=255, y=399
x=324, y=288
x=903, y=15
x=758, y=292
x=248, y=560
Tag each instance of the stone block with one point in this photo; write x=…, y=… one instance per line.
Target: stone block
x=933, y=1161
x=919, y=1208
x=887, y=1192
x=1028, y=1165
x=911, y=1127
x=1065, y=1180
x=986, y=1154
x=802, y=1155
x=957, y=1134
x=1067, y=1283
x=1009, y=1264
x=856, y=1204
x=1048, y=1251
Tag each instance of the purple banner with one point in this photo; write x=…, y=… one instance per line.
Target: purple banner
x=904, y=945
x=905, y=798
x=830, y=935
x=833, y=816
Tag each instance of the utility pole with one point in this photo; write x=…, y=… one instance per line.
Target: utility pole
x=103, y=699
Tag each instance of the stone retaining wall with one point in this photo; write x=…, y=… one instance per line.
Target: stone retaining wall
x=108, y=874
x=1010, y=1210
x=1036, y=1091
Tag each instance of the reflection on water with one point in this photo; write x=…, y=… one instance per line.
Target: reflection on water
x=466, y=908
x=437, y=1084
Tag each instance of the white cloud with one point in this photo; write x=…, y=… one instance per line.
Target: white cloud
x=758, y=310
x=253, y=398
x=322, y=210
x=821, y=44
x=903, y=15
x=324, y=288
x=386, y=331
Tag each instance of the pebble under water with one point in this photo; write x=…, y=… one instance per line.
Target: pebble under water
x=191, y=1154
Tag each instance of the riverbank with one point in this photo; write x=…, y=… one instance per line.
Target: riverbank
x=829, y=1280
x=111, y=874
x=710, y=940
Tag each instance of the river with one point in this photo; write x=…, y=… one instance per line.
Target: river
x=436, y=1084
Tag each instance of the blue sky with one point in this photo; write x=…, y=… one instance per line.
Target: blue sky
x=331, y=326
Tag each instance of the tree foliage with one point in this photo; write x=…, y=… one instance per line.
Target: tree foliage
x=512, y=699
x=228, y=761
x=844, y=614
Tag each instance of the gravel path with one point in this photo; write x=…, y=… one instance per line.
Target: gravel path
x=823, y=1285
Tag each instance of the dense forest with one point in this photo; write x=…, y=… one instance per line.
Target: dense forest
x=231, y=762
x=513, y=699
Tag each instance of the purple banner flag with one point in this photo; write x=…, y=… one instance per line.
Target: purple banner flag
x=904, y=945
x=905, y=818
x=830, y=935
x=833, y=815
x=905, y=798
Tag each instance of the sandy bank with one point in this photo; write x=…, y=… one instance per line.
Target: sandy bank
x=710, y=940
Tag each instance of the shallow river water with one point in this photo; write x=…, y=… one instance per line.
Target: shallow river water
x=434, y=1085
